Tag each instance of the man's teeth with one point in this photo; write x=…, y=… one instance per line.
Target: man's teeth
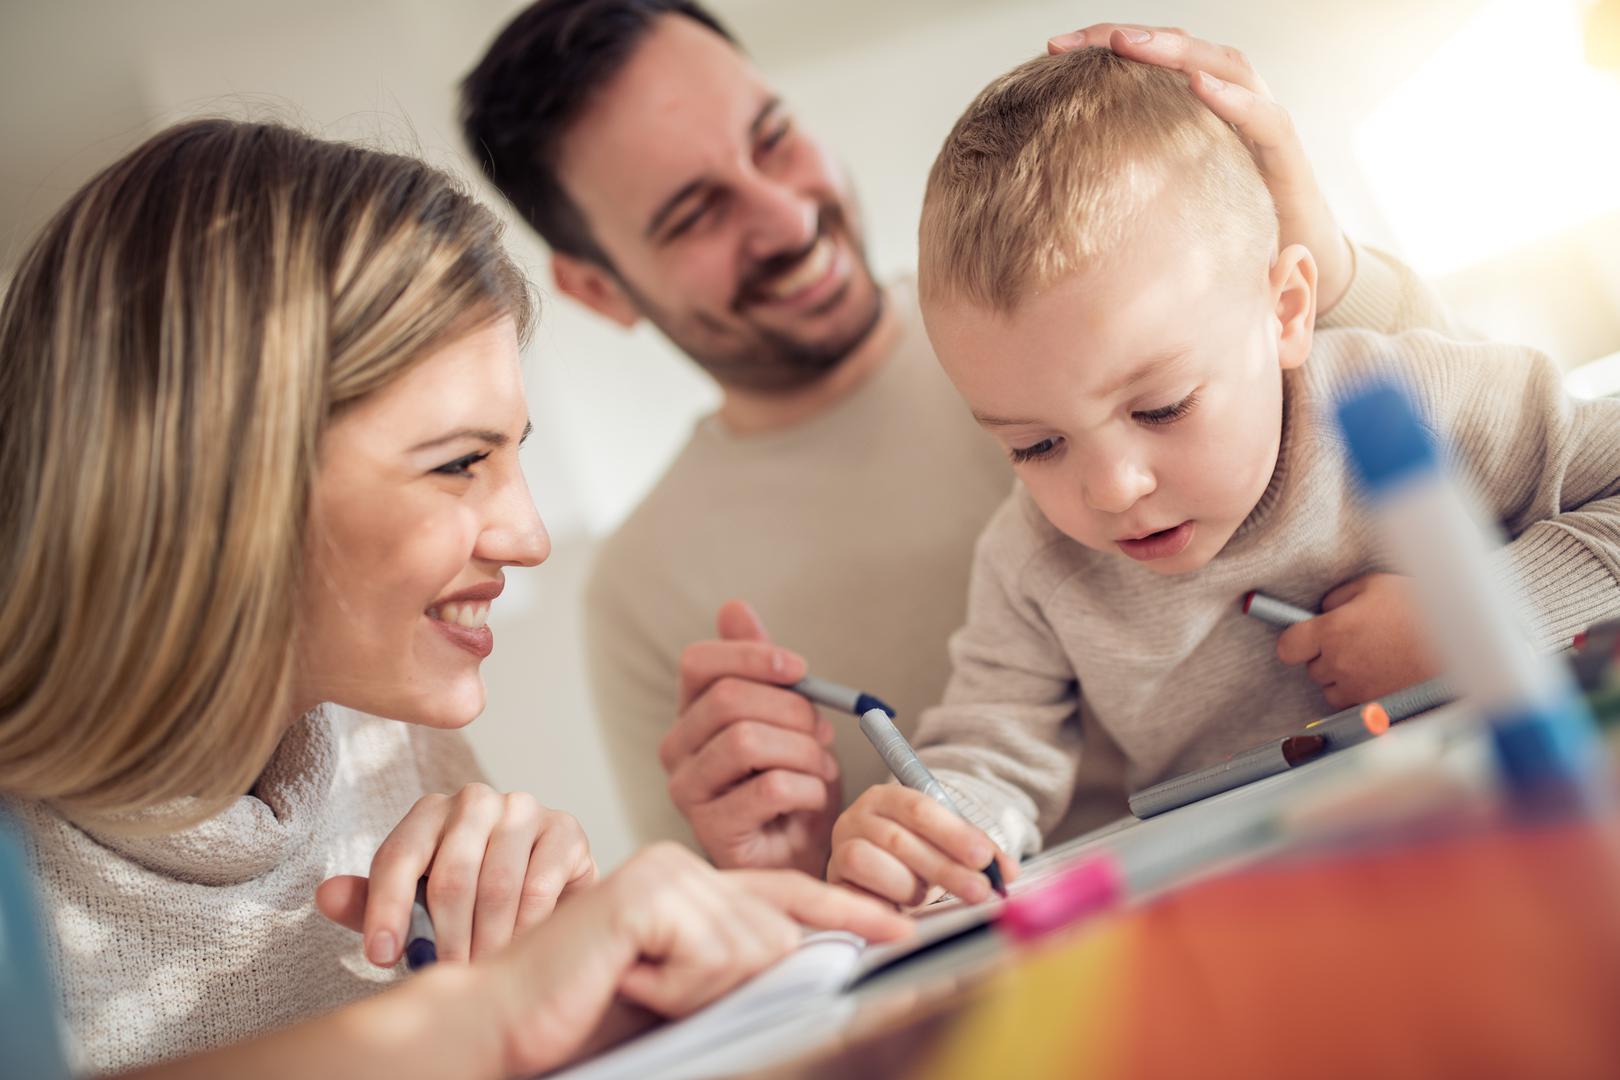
x=472, y=615
x=810, y=270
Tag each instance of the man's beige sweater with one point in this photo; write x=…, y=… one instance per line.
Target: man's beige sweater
x=168, y=945
x=1172, y=669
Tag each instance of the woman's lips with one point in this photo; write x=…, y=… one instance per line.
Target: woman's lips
x=1160, y=545
x=477, y=640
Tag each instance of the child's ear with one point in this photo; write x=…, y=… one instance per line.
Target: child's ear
x=1293, y=290
x=594, y=286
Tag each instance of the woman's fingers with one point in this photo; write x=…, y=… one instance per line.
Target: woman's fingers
x=810, y=902
x=561, y=860
x=400, y=861
x=503, y=878
x=452, y=888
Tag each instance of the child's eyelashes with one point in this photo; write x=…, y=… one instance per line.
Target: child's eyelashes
x=1169, y=414
x=1034, y=452
x=462, y=466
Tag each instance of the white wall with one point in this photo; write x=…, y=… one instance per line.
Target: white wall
x=82, y=81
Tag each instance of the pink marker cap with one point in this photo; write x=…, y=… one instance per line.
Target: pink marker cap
x=1077, y=893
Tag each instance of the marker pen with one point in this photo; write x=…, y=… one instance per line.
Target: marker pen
x=828, y=693
x=1268, y=609
x=421, y=946
x=1244, y=767
x=903, y=762
x=1544, y=739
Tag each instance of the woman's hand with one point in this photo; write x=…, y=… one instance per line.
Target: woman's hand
x=496, y=864
x=1224, y=80
x=666, y=932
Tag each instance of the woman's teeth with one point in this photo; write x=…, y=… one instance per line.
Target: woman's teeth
x=472, y=615
x=810, y=270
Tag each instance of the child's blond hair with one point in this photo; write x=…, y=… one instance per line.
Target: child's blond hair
x=1056, y=164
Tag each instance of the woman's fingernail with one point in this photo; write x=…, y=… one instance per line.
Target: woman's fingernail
x=1211, y=82
x=382, y=949
x=1136, y=37
x=1070, y=40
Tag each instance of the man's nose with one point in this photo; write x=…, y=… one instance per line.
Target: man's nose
x=781, y=219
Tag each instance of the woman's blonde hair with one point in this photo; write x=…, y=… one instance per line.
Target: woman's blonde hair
x=171, y=349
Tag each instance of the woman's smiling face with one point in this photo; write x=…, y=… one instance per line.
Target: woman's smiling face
x=419, y=504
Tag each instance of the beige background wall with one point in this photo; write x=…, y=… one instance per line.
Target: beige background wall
x=1438, y=127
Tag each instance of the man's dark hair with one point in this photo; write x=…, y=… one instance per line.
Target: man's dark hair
x=534, y=81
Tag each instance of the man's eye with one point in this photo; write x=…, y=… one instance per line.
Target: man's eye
x=462, y=466
x=1169, y=414
x=1043, y=449
x=781, y=131
x=691, y=219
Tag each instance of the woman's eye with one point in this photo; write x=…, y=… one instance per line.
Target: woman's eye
x=462, y=466
x=1043, y=449
x=1169, y=414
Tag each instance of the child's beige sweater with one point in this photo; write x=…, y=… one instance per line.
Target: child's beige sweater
x=173, y=944
x=1169, y=665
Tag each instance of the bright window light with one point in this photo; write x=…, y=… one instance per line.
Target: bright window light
x=1503, y=137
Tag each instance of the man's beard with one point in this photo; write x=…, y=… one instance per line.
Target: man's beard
x=774, y=361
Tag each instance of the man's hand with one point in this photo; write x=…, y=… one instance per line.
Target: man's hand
x=1224, y=80
x=749, y=761
x=1367, y=642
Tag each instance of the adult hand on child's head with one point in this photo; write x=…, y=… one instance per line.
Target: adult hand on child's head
x=749, y=761
x=1369, y=641
x=1225, y=81
x=666, y=932
x=898, y=845
x=495, y=865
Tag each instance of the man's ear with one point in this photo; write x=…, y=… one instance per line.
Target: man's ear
x=1293, y=289
x=593, y=286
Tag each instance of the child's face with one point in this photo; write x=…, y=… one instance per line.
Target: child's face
x=1141, y=403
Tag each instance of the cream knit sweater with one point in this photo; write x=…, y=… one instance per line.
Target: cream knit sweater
x=169, y=945
x=1171, y=668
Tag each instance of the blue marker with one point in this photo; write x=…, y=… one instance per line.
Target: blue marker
x=828, y=693
x=421, y=947
x=1545, y=741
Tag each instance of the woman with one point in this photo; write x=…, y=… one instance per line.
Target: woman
x=260, y=408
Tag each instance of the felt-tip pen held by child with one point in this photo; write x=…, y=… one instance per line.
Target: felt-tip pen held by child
x=902, y=760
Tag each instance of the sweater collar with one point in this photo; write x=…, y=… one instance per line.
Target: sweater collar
x=257, y=832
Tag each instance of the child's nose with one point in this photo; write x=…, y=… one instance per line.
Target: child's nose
x=1116, y=487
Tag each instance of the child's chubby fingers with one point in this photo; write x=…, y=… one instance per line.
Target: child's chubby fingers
x=1300, y=643
x=400, y=861
x=895, y=842
x=474, y=817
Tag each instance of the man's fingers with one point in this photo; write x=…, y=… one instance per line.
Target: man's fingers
x=730, y=701
x=342, y=899
x=760, y=799
x=740, y=751
x=1300, y=643
x=825, y=907
x=737, y=621
x=704, y=662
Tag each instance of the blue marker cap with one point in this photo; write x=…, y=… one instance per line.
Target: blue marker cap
x=1388, y=443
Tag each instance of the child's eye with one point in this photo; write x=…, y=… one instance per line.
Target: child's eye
x=1169, y=414
x=462, y=466
x=1043, y=449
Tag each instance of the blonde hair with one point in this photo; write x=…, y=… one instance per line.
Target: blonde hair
x=171, y=350
x=1055, y=165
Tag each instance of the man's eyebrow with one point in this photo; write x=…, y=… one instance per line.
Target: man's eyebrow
x=483, y=435
x=692, y=187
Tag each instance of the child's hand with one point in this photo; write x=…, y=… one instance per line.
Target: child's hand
x=499, y=864
x=1368, y=641
x=896, y=844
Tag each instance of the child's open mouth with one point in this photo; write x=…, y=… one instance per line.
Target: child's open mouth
x=1159, y=545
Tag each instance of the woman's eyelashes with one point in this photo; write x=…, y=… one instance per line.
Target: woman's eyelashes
x=1035, y=451
x=462, y=466
x=1169, y=414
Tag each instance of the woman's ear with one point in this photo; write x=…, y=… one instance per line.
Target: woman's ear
x=1293, y=289
x=595, y=287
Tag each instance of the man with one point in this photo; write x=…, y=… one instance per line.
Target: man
x=841, y=485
